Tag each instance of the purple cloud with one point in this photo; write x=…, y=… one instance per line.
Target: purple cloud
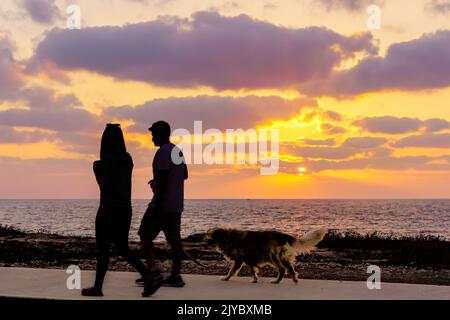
x=10, y=71
x=394, y=125
x=47, y=110
x=376, y=162
x=329, y=128
x=294, y=149
x=42, y=11
x=11, y=135
x=418, y=64
x=363, y=142
x=349, y=5
x=434, y=125
x=209, y=49
x=388, y=124
x=428, y=140
x=215, y=111
x=319, y=142
x=438, y=6
x=331, y=115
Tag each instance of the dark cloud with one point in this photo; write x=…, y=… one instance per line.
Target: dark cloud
x=418, y=64
x=80, y=142
x=388, y=124
x=11, y=78
x=427, y=140
x=369, y=146
x=434, y=125
x=331, y=115
x=377, y=162
x=329, y=128
x=349, y=5
x=156, y=3
x=214, y=111
x=11, y=135
x=42, y=11
x=43, y=98
x=394, y=125
x=270, y=6
x=296, y=150
x=319, y=142
x=363, y=142
x=47, y=110
x=56, y=119
x=209, y=49
x=438, y=6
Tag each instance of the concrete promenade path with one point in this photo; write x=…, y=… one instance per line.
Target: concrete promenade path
x=51, y=284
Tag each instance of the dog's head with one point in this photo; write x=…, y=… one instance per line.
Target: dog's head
x=216, y=236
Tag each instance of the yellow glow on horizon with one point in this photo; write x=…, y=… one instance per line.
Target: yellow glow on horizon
x=41, y=150
x=301, y=170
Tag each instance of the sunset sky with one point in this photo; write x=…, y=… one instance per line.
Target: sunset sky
x=363, y=113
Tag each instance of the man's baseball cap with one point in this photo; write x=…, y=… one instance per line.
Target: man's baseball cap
x=160, y=126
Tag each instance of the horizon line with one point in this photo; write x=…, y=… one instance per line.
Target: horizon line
x=324, y=198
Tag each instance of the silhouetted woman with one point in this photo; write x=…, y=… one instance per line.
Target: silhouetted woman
x=113, y=173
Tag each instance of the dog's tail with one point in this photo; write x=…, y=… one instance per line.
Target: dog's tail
x=308, y=241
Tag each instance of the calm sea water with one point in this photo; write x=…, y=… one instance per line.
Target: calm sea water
x=76, y=217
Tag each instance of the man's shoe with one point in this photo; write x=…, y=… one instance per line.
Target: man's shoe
x=92, y=292
x=152, y=283
x=173, y=281
x=140, y=281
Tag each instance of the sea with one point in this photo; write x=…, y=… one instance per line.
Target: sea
x=397, y=217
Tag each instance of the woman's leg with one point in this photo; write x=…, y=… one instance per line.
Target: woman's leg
x=103, y=251
x=121, y=240
x=103, y=242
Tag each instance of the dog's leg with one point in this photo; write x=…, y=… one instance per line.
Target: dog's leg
x=281, y=273
x=234, y=270
x=254, y=271
x=290, y=269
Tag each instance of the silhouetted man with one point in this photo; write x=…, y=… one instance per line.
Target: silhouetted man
x=164, y=211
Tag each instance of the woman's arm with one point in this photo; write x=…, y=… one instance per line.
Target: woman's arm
x=102, y=171
x=97, y=166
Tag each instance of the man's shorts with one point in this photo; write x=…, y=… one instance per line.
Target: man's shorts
x=154, y=222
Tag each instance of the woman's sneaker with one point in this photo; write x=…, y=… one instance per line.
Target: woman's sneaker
x=173, y=281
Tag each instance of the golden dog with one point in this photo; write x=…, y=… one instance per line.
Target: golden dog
x=258, y=248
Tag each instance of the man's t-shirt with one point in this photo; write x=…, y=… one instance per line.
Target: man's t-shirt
x=172, y=199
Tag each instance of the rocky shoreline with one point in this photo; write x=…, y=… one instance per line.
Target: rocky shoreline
x=420, y=260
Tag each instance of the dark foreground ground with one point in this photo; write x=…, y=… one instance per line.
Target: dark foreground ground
x=340, y=256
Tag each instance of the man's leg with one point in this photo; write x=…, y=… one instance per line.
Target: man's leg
x=149, y=253
x=172, y=232
x=148, y=231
